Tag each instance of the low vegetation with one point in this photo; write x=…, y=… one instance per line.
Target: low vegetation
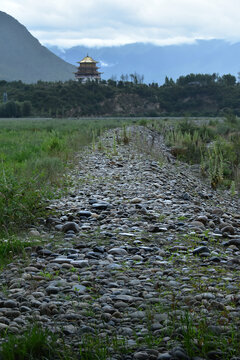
x=11, y=246
x=34, y=344
x=34, y=155
x=195, y=335
x=214, y=144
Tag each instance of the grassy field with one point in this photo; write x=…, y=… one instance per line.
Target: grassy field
x=34, y=154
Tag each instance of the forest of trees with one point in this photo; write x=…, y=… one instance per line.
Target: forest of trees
x=193, y=94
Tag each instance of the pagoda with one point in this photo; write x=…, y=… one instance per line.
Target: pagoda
x=87, y=70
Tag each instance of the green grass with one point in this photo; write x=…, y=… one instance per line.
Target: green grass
x=34, y=155
x=37, y=343
x=10, y=247
x=198, y=339
x=94, y=347
x=191, y=331
x=34, y=344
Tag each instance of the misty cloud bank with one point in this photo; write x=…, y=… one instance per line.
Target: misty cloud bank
x=107, y=23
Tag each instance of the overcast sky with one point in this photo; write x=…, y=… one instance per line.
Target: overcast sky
x=113, y=22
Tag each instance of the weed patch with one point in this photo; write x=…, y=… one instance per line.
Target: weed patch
x=213, y=144
x=10, y=247
x=98, y=348
x=34, y=344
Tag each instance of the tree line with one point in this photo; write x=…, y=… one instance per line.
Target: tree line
x=193, y=94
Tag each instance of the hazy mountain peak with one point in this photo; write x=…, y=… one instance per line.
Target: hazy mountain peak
x=24, y=58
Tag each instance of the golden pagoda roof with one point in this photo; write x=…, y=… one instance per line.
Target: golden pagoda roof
x=87, y=59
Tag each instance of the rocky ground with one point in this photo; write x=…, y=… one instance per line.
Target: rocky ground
x=140, y=250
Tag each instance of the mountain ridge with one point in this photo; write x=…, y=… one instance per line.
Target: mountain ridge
x=157, y=62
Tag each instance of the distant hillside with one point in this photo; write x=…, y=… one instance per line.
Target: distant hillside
x=24, y=58
x=156, y=62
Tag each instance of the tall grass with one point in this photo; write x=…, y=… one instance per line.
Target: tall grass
x=198, y=338
x=215, y=144
x=34, y=344
x=10, y=247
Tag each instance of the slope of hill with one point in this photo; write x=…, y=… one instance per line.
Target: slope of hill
x=24, y=58
x=156, y=62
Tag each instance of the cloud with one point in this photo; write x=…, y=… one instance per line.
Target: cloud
x=115, y=22
x=104, y=64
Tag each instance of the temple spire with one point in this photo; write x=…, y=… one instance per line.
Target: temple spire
x=87, y=70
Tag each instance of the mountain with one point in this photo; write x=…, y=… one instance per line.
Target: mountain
x=24, y=58
x=156, y=62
